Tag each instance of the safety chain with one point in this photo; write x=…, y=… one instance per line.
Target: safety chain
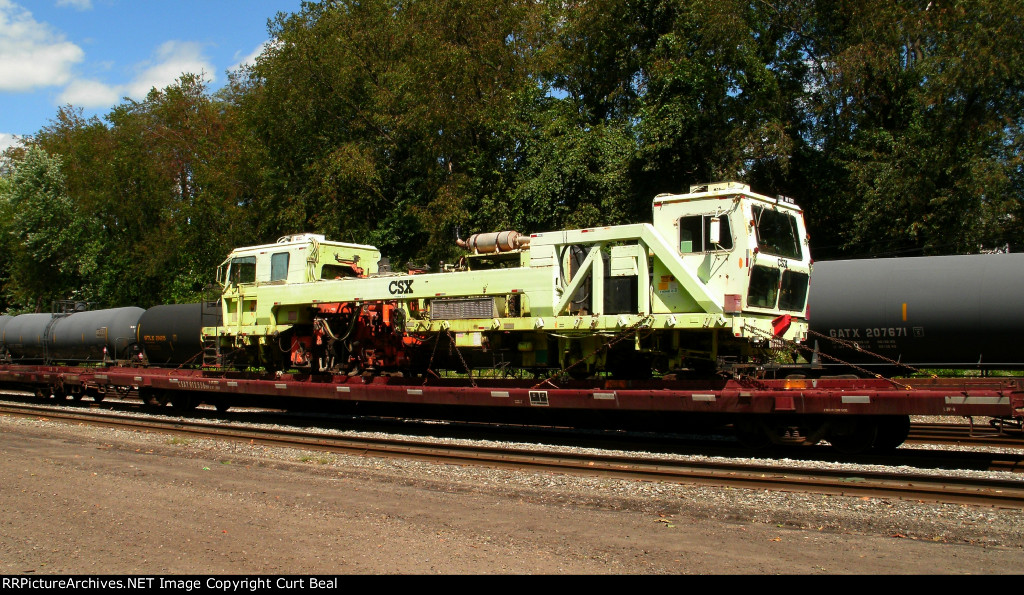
x=798, y=346
x=856, y=347
x=634, y=329
x=451, y=338
x=451, y=345
x=430, y=362
x=188, y=362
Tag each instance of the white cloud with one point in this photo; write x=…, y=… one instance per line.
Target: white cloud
x=251, y=58
x=32, y=54
x=8, y=140
x=171, y=60
x=89, y=94
x=77, y=4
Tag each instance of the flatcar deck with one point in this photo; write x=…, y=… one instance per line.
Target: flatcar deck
x=995, y=397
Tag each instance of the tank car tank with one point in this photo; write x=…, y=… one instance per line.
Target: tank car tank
x=940, y=311
x=172, y=334
x=4, y=321
x=24, y=337
x=96, y=336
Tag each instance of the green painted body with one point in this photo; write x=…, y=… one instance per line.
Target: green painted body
x=697, y=288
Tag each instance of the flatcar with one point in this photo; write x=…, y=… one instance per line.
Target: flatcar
x=659, y=323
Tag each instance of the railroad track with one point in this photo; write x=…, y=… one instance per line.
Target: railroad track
x=923, y=486
x=712, y=444
x=965, y=434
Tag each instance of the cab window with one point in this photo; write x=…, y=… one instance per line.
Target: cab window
x=696, y=234
x=777, y=233
x=279, y=266
x=793, y=293
x=243, y=270
x=764, y=287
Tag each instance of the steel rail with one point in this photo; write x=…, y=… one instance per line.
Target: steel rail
x=981, y=435
x=977, y=435
x=1004, y=493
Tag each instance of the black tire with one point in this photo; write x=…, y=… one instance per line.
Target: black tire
x=854, y=436
x=892, y=432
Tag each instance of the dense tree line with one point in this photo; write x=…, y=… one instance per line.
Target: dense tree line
x=899, y=127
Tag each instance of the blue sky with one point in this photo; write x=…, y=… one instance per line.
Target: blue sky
x=92, y=53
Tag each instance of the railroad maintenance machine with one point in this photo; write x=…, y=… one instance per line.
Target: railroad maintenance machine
x=693, y=319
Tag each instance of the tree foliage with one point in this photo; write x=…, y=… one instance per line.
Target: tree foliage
x=46, y=239
x=380, y=120
x=157, y=183
x=917, y=117
x=897, y=126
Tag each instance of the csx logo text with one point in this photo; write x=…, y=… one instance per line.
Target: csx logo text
x=400, y=287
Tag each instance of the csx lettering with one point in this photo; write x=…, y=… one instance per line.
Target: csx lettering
x=400, y=287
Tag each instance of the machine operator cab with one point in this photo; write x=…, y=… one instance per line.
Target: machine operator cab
x=749, y=248
x=268, y=270
x=297, y=258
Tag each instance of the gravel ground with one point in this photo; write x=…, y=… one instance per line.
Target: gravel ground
x=79, y=499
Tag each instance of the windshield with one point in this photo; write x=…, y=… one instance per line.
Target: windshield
x=243, y=270
x=777, y=233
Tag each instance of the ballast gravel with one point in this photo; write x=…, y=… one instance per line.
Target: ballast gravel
x=79, y=499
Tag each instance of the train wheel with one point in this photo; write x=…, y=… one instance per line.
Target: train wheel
x=152, y=398
x=892, y=432
x=221, y=406
x=760, y=432
x=853, y=436
x=183, y=402
x=752, y=434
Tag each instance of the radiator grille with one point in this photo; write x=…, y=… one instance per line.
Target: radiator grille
x=462, y=308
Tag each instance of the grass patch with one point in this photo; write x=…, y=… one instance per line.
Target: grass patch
x=969, y=373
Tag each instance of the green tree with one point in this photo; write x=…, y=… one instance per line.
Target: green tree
x=47, y=241
x=916, y=114
x=898, y=128
x=381, y=121
x=713, y=105
x=573, y=174
x=161, y=182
